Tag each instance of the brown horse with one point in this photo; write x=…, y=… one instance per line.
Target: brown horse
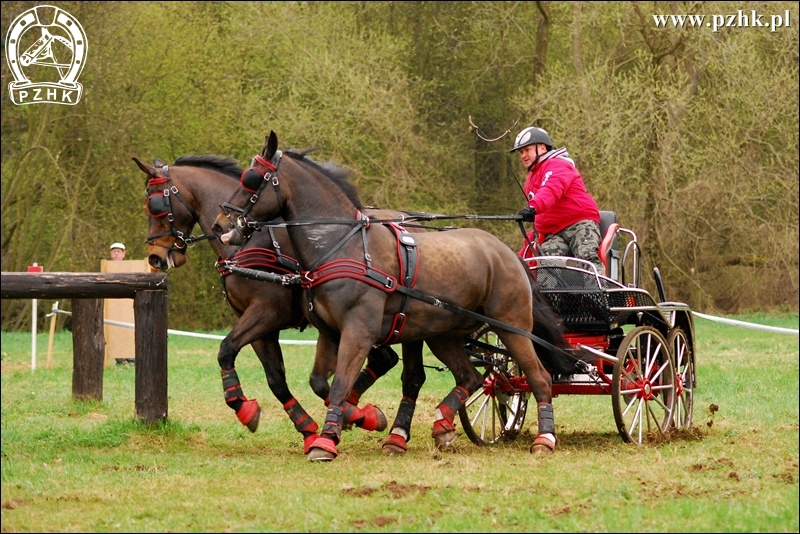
x=189, y=192
x=374, y=285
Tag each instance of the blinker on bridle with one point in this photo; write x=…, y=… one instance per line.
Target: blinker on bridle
x=158, y=205
x=254, y=180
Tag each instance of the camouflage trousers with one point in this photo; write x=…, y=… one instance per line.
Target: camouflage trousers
x=580, y=240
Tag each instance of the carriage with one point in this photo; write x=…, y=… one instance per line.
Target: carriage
x=367, y=282
x=622, y=343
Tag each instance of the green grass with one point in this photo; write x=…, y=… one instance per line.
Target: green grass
x=74, y=466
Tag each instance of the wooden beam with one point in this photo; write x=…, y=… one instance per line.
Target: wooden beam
x=58, y=285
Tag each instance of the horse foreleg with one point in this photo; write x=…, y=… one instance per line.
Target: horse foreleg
x=379, y=363
x=269, y=352
x=413, y=378
x=247, y=410
x=350, y=357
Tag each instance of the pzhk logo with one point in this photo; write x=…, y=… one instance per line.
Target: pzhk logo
x=47, y=42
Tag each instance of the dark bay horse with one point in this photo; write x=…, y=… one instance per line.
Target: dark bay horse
x=189, y=192
x=373, y=285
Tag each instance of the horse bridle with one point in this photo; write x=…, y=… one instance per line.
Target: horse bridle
x=158, y=205
x=254, y=180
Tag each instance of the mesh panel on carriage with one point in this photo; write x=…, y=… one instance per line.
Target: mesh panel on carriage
x=586, y=303
x=576, y=296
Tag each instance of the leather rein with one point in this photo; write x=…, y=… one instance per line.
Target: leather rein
x=321, y=272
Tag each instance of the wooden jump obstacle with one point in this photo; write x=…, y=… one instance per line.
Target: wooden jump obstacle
x=149, y=294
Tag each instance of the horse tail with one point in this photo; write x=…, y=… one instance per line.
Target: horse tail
x=548, y=326
x=546, y=323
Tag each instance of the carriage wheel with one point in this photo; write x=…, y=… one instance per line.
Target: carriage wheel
x=496, y=411
x=685, y=381
x=643, y=386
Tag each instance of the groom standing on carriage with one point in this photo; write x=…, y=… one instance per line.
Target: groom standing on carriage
x=564, y=214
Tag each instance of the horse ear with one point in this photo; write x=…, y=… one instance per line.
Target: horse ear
x=270, y=145
x=145, y=167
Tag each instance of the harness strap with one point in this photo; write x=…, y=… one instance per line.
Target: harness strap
x=347, y=268
x=258, y=258
x=477, y=316
x=174, y=189
x=363, y=220
x=408, y=257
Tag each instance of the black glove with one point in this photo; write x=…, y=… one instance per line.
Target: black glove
x=527, y=213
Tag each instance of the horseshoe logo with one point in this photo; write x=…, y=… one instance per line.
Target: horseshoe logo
x=45, y=40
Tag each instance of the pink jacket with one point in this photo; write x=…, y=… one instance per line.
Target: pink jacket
x=555, y=189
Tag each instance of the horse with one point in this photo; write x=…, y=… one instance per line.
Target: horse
x=373, y=284
x=187, y=193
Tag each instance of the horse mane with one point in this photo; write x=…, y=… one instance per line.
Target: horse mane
x=227, y=166
x=338, y=175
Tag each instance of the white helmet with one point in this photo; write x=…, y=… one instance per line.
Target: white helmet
x=532, y=135
x=117, y=245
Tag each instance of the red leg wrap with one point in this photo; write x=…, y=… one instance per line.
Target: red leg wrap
x=351, y=415
x=249, y=413
x=396, y=440
x=374, y=419
x=354, y=398
x=441, y=426
x=308, y=441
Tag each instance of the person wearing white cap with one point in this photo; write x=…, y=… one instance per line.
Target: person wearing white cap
x=117, y=251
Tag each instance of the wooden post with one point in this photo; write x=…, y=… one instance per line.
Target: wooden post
x=150, y=315
x=88, y=349
x=149, y=294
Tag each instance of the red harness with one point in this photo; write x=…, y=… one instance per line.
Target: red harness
x=408, y=258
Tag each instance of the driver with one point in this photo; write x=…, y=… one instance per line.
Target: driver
x=564, y=214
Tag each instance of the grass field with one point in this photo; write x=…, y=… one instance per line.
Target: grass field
x=72, y=466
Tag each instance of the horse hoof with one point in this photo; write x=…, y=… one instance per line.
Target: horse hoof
x=249, y=414
x=542, y=445
x=445, y=439
x=319, y=455
x=322, y=450
x=394, y=445
x=374, y=419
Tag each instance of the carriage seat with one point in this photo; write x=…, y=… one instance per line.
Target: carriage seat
x=609, y=244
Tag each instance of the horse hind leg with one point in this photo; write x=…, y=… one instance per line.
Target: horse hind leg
x=450, y=351
x=413, y=378
x=540, y=384
x=380, y=361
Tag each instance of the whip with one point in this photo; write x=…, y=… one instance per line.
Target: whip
x=491, y=141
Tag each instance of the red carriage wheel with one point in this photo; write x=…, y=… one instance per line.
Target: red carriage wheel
x=643, y=386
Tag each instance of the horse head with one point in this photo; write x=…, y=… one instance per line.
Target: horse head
x=266, y=192
x=169, y=228
x=233, y=225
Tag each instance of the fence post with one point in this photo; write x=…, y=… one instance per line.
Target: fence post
x=150, y=317
x=88, y=349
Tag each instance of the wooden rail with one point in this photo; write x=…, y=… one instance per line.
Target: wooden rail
x=149, y=294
